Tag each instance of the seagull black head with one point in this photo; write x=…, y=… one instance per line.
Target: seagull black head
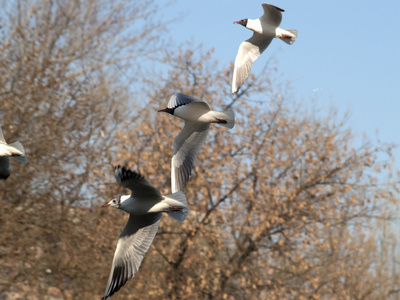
x=242, y=22
x=4, y=176
x=168, y=110
x=4, y=167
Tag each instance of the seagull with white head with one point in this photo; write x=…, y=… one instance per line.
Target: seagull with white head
x=145, y=205
x=198, y=116
x=265, y=29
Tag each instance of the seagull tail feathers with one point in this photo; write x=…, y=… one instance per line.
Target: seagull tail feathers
x=18, y=152
x=178, y=199
x=289, y=36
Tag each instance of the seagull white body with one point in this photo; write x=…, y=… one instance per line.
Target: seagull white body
x=145, y=206
x=198, y=116
x=14, y=150
x=265, y=29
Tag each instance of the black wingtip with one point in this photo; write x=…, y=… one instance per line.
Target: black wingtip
x=118, y=281
x=124, y=173
x=278, y=8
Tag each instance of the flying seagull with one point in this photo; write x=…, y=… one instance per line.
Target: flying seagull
x=265, y=29
x=14, y=150
x=145, y=205
x=198, y=116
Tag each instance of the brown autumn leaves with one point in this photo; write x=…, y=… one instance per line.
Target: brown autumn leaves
x=283, y=206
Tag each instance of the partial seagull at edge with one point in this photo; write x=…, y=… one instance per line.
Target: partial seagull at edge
x=265, y=29
x=187, y=144
x=14, y=150
x=145, y=206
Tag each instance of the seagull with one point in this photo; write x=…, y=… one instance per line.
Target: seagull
x=14, y=150
x=265, y=29
x=145, y=206
x=198, y=116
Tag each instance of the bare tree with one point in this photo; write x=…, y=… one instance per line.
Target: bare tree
x=65, y=70
x=282, y=206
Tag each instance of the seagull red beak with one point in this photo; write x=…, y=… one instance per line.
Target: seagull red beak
x=105, y=205
x=242, y=22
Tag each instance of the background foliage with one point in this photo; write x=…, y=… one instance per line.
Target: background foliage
x=287, y=205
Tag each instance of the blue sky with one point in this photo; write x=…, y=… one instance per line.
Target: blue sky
x=347, y=54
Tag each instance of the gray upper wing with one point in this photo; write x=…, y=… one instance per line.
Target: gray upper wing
x=272, y=14
x=180, y=99
x=248, y=52
x=133, y=243
x=187, y=145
